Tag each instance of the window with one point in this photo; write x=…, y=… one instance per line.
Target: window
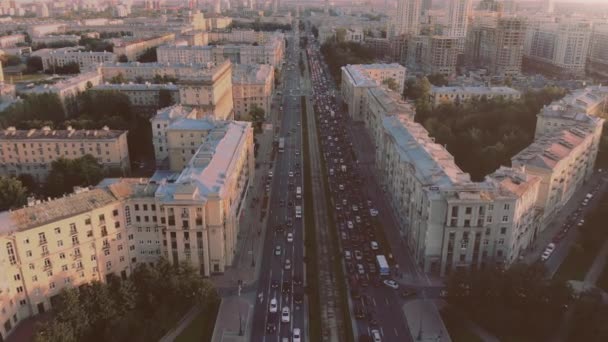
x=52, y=285
x=501, y=241
x=127, y=215
x=34, y=279
x=57, y=230
x=505, y=218
x=61, y=255
x=454, y=211
x=28, y=253
x=468, y=210
x=89, y=233
x=59, y=243
x=115, y=212
x=32, y=266
x=463, y=257
x=106, y=252
x=145, y=206
x=491, y=207
x=116, y=224
x=130, y=236
x=503, y=230
x=64, y=267
x=507, y=206
x=108, y=265
x=136, y=207
x=489, y=219
x=17, y=276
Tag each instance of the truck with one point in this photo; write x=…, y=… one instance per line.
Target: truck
x=298, y=211
x=383, y=265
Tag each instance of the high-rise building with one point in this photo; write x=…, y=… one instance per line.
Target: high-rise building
x=459, y=12
x=548, y=6
x=598, y=51
x=407, y=19
x=558, y=48
x=496, y=44
x=439, y=54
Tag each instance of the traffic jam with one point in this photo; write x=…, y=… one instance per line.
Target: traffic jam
x=366, y=265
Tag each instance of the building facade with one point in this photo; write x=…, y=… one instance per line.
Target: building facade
x=461, y=95
x=252, y=85
x=132, y=49
x=440, y=54
x=61, y=57
x=145, y=98
x=159, y=123
x=32, y=151
x=597, y=62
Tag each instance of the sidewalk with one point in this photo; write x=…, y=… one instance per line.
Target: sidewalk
x=424, y=321
x=233, y=322
x=595, y=271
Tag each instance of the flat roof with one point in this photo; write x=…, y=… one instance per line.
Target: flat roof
x=548, y=150
x=251, y=73
x=47, y=133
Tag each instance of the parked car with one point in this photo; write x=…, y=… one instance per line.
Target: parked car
x=391, y=283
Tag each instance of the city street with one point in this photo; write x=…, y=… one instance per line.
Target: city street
x=279, y=309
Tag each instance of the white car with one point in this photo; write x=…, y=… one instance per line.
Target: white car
x=277, y=250
x=350, y=224
x=273, y=305
x=285, y=315
x=373, y=212
x=347, y=255
x=550, y=247
x=290, y=174
x=295, y=337
x=289, y=237
x=545, y=256
x=357, y=219
x=581, y=223
x=374, y=245
x=355, y=208
x=391, y=283
x=360, y=269
x=341, y=187
x=358, y=255
x=287, y=264
x=376, y=335
x=270, y=174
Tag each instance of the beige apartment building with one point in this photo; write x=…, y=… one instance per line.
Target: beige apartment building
x=32, y=151
x=191, y=215
x=451, y=222
x=439, y=54
x=357, y=79
x=206, y=87
x=63, y=56
x=11, y=40
x=132, y=49
x=64, y=242
x=252, y=85
x=159, y=123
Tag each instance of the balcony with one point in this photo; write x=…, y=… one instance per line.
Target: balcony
x=77, y=256
x=73, y=232
x=44, y=253
x=42, y=242
x=47, y=267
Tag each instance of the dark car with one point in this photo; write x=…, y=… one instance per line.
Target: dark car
x=355, y=293
x=297, y=280
x=298, y=298
x=271, y=328
x=286, y=287
x=373, y=322
x=407, y=293
x=359, y=313
x=274, y=284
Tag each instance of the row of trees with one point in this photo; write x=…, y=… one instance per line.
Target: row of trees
x=516, y=304
x=140, y=308
x=337, y=55
x=259, y=26
x=481, y=135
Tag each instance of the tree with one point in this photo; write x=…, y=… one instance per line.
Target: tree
x=34, y=64
x=391, y=84
x=315, y=31
x=589, y=318
x=10, y=60
x=257, y=116
x=118, y=79
x=164, y=98
x=148, y=56
x=12, y=193
x=438, y=80
x=65, y=174
x=123, y=59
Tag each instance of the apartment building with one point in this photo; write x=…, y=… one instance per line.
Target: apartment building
x=252, y=85
x=11, y=40
x=32, y=151
x=85, y=59
x=134, y=48
x=241, y=36
x=195, y=38
x=271, y=52
x=159, y=123
x=440, y=54
x=458, y=14
x=461, y=95
x=60, y=38
x=496, y=44
x=564, y=160
x=558, y=48
x=51, y=245
x=207, y=87
x=45, y=29
x=359, y=77
x=379, y=102
x=597, y=62
x=144, y=97
x=407, y=18
x=67, y=89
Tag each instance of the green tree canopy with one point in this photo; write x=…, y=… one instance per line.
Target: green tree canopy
x=257, y=117
x=391, y=84
x=12, y=193
x=65, y=174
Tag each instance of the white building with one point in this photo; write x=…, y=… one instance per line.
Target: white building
x=11, y=40
x=407, y=18
x=598, y=50
x=163, y=118
x=61, y=57
x=459, y=12
x=144, y=97
x=558, y=48
x=461, y=95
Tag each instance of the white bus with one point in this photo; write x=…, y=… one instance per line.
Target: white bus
x=298, y=211
x=299, y=192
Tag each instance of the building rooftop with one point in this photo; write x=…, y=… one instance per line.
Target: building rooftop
x=46, y=133
x=358, y=72
x=433, y=164
x=136, y=86
x=548, y=150
x=482, y=90
x=251, y=73
x=63, y=84
x=174, y=112
x=41, y=213
x=512, y=182
x=206, y=173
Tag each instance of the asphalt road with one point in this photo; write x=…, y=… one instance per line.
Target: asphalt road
x=378, y=305
x=276, y=280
